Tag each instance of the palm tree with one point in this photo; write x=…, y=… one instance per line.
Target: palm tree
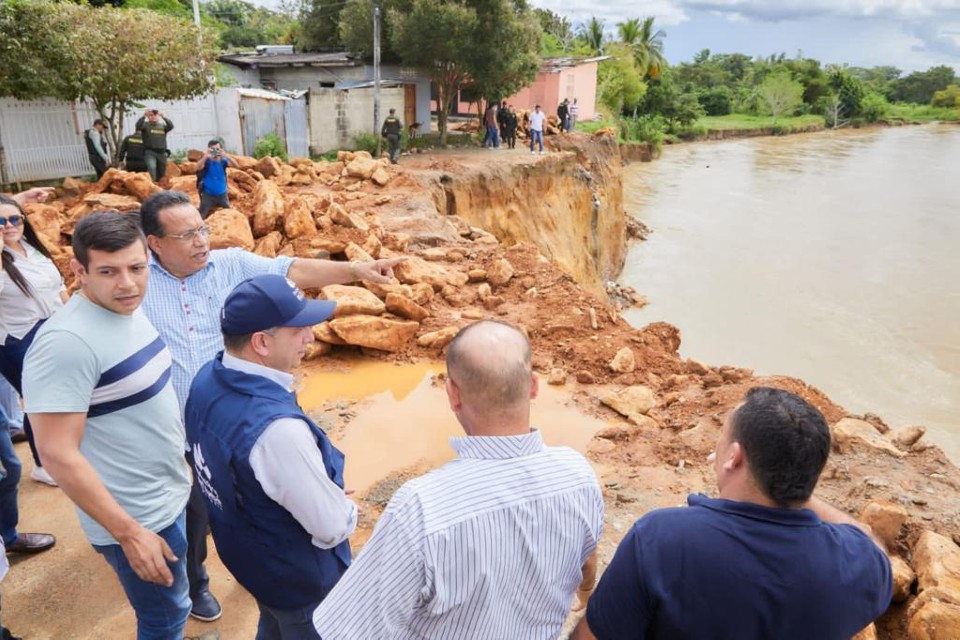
x=648, y=49
x=592, y=34
x=629, y=31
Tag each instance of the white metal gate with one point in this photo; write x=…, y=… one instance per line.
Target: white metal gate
x=298, y=132
x=260, y=116
x=43, y=139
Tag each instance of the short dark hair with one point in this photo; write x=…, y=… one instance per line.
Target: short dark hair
x=213, y=142
x=154, y=204
x=236, y=343
x=786, y=441
x=98, y=121
x=108, y=231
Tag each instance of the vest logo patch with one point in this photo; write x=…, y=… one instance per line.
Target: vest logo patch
x=202, y=472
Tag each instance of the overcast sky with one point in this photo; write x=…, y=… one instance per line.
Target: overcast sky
x=908, y=34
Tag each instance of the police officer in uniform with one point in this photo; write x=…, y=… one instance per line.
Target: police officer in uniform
x=154, y=127
x=132, y=153
x=391, y=131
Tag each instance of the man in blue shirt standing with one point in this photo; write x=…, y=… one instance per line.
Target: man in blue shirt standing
x=765, y=560
x=212, y=178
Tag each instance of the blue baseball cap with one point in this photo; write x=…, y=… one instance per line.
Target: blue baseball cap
x=268, y=301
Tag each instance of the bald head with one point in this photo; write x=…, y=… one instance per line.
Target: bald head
x=490, y=364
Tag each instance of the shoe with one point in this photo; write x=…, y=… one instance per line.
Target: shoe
x=205, y=607
x=6, y=635
x=206, y=635
x=17, y=435
x=533, y=153
x=39, y=474
x=32, y=543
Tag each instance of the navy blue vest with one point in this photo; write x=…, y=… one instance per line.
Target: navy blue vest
x=259, y=541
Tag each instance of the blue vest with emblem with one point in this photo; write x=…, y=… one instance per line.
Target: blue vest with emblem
x=259, y=541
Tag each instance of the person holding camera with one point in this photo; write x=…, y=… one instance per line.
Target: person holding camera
x=212, y=178
x=154, y=127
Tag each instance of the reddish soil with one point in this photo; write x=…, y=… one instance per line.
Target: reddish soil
x=71, y=593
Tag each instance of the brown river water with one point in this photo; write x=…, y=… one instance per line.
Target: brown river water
x=832, y=257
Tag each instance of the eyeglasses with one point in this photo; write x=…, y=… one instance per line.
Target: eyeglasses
x=189, y=236
x=14, y=220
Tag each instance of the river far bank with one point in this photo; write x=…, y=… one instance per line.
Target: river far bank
x=529, y=240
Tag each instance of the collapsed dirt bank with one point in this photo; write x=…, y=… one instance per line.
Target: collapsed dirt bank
x=662, y=430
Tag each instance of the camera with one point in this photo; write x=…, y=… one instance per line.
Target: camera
x=216, y=152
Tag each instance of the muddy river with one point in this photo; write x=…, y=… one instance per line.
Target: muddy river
x=832, y=257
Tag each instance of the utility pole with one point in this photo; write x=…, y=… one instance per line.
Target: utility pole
x=376, y=75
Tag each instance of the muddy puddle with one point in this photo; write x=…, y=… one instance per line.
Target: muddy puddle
x=398, y=417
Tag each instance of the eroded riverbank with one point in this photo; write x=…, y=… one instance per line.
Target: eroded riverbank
x=461, y=273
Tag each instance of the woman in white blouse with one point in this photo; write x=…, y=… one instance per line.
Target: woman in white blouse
x=31, y=290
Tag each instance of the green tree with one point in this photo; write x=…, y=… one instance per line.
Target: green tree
x=648, y=49
x=592, y=35
x=849, y=91
x=620, y=85
x=949, y=97
x=78, y=52
x=781, y=93
x=919, y=87
x=503, y=52
x=556, y=29
x=874, y=107
x=320, y=24
x=431, y=36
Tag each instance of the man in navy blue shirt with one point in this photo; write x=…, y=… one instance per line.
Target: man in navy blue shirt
x=212, y=178
x=765, y=560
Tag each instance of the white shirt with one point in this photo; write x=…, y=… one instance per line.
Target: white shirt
x=537, y=119
x=19, y=312
x=288, y=465
x=490, y=546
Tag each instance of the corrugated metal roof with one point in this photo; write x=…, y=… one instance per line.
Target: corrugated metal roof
x=263, y=94
x=254, y=60
x=555, y=65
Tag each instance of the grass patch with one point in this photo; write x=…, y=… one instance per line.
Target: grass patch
x=592, y=126
x=922, y=113
x=744, y=121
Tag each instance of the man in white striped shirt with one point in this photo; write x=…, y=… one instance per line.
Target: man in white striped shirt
x=492, y=544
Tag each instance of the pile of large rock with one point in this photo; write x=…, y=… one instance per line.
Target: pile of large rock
x=335, y=219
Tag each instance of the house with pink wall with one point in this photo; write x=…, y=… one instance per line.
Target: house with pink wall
x=561, y=78
x=557, y=79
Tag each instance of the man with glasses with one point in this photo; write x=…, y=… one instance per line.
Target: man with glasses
x=188, y=286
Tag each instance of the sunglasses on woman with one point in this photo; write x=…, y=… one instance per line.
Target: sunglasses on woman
x=14, y=220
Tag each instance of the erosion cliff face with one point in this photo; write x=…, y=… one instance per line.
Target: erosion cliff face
x=569, y=203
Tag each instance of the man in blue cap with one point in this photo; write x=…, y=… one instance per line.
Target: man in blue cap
x=271, y=479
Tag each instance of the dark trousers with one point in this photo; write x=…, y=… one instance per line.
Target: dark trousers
x=198, y=522
x=156, y=162
x=99, y=165
x=12, y=353
x=393, y=140
x=208, y=202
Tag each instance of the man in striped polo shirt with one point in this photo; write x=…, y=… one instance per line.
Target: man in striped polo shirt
x=97, y=388
x=492, y=544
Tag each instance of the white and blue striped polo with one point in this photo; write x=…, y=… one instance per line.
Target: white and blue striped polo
x=116, y=369
x=488, y=546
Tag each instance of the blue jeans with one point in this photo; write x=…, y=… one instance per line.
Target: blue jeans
x=9, y=488
x=10, y=405
x=161, y=611
x=276, y=624
x=535, y=137
x=12, y=353
x=493, y=136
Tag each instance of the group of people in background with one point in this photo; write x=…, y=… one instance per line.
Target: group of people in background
x=501, y=123
x=143, y=150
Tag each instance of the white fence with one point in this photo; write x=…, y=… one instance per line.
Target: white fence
x=43, y=139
